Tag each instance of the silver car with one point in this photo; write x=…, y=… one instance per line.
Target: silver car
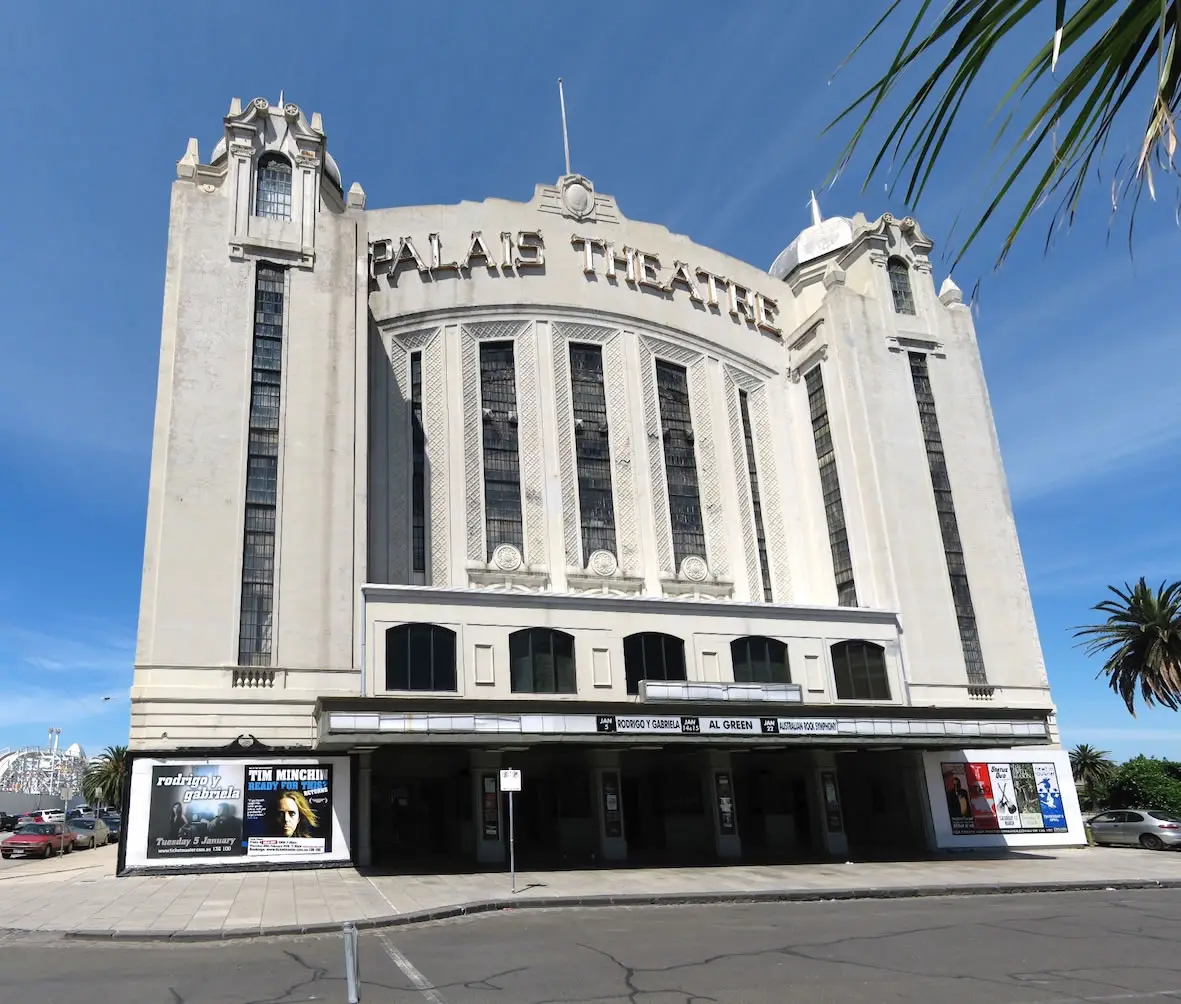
x=1148, y=828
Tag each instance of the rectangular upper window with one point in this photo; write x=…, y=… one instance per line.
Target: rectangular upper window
x=680, y=462
x=256, y=613
x=592, y=450
x=503, y=520
x=830, y=486
x=949, y=529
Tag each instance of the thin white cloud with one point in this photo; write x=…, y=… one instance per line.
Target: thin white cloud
x=91, y=647
x=1090, y=410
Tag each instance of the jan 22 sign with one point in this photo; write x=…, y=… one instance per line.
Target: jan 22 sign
x=257, y=811
x=1003, y=797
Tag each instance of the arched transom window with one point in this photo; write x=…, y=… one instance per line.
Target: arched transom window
x=759, y=660
x=652, y=656
x=860, y=671
x=420, y=657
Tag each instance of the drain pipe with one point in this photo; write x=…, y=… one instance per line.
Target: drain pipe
x=364, y=638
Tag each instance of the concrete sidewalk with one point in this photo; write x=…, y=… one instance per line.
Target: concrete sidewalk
x=81, y=897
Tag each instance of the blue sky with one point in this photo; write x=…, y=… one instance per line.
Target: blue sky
x=706, y=118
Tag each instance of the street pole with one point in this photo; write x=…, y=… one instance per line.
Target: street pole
x=512, y=843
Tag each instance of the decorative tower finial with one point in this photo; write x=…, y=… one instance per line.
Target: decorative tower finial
x=816, y=217
x=565, y=134
x=282, y=104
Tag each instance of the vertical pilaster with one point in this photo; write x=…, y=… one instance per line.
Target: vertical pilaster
x=824, y=792
x=612, y=826
x=723, y=805
x=364, y=835
x=491, y=839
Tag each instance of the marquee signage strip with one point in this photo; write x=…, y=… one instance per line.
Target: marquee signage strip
x=765, y=726
x=694, y=725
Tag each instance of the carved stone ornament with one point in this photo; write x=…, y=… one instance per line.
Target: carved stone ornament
x=578, y=196
x=694, y=569
x=507, y=558
x=603, y=563
x=262, y=104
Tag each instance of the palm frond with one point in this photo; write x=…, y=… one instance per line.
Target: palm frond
x=1141, y=640
x=1115, y=42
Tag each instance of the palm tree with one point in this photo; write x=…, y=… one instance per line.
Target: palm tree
x=1126, y=49
x=1142, y=641
x=102, y=784
x=1090, y=767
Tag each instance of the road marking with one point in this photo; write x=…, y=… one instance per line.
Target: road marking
x=424, y=986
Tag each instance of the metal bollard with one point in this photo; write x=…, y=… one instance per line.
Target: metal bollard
x=349, y=932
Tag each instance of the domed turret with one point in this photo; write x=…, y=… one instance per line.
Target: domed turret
x=821, y=238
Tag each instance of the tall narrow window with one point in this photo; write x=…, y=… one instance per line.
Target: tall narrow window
x=262, y=472
x=502, y=463
x=756, y=503
x=830, y=485
x=418, y=462
x=953, y=549
x=592, y=450
x=680, y=462
x=899, y=273
x=273, y=192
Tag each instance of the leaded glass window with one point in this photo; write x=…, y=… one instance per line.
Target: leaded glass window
x=273, y=194
x=680, y=462
x=830, y=486
x=420, y=657
x=541, y=661
x=900, y=290
x=418, y=465
x=953, y=548
x=759, y=660
x=756, y=501
x=262, y=471
x=592, y=450
x=860, y=671
x=502, y=464
x=652, y=656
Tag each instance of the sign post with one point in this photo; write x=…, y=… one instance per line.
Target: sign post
x=510, y=781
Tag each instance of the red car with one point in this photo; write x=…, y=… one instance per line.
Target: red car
x=37, y=840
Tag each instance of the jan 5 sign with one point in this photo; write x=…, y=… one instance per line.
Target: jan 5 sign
x=510, y=779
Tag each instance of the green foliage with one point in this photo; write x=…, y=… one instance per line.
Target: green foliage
x=102, y=784
x=1142, y=640
x=1092, y=770
x=1146, y=783
x=1116, y=50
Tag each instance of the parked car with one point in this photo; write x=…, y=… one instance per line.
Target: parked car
x=37, y=840
x=114, y=824
x=89, y=833
x=1148, y=828
x=8, y=822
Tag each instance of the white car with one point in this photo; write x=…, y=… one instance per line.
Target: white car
x=53, y=815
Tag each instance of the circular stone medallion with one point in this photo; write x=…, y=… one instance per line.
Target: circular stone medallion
x=602, y=563
x=507, y=558
x=578, y=196
x=694, y=568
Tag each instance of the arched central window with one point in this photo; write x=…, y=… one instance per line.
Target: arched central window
x=419, y=657
x=759, y=660
x=860, y=671
x=899, y=273
x=652, y=656
x=541, y=661
x=272, y=197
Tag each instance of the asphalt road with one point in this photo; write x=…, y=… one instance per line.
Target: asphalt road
x=1026, y=949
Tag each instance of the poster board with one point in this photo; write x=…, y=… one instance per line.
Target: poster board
x=189, y=812
x=1021, y=797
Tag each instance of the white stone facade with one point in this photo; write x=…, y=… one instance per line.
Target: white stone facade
x=364, y=290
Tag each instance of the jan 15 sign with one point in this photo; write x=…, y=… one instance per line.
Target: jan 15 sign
x=520, y=252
